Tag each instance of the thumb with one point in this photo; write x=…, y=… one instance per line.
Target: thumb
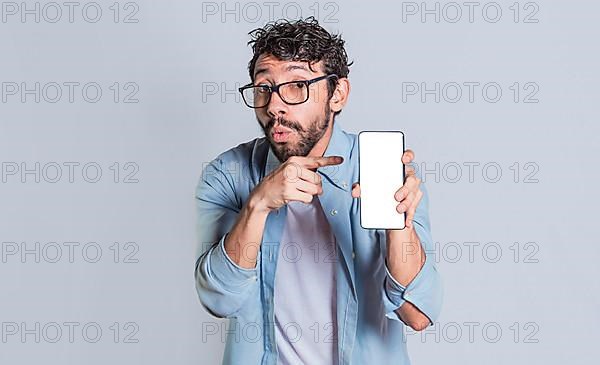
x=356, y=190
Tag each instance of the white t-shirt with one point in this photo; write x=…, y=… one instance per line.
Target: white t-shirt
x=305, y=288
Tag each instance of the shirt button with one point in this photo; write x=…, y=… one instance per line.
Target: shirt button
x=353, y=255
x=344, y=184
x=333, y=212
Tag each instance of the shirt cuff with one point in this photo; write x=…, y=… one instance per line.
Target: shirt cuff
x=424, y=292
x=393, y=293
x=394, y=289
x=227, y=273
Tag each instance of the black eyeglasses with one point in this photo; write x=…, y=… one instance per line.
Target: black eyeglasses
x=291, y=92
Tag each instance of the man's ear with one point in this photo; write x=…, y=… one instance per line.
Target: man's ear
x=340, y=94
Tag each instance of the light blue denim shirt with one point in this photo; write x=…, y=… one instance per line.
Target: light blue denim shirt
x=369, y=330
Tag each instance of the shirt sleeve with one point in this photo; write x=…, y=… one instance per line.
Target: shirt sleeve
x=425, y=291
x=221, y=284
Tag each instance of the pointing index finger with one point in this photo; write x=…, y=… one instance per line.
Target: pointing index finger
x=317, y=162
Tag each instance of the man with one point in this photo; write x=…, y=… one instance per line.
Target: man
x=281, y=250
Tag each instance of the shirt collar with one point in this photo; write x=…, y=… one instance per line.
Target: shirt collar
x=340, y=144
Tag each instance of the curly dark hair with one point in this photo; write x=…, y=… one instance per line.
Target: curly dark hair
x=301, y=40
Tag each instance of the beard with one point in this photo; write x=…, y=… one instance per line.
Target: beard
x=307, y=137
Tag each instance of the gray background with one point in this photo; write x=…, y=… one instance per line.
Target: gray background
x=182, y=59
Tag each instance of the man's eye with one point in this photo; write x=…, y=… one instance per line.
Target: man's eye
x=298, y=85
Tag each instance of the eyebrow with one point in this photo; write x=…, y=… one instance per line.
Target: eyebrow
x=288, y=68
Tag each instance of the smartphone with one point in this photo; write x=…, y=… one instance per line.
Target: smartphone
x=380, y=175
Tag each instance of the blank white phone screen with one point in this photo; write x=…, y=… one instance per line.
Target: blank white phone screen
x=381, y=173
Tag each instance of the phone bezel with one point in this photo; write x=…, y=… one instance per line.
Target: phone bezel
x=403, y=174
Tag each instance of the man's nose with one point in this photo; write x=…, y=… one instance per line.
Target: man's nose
x=276, y=106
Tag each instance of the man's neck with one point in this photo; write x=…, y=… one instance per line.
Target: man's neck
x=321, y=146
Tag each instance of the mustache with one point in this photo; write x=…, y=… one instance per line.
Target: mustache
x=285, y=123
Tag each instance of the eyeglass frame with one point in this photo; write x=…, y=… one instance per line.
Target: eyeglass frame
x=275, y=88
